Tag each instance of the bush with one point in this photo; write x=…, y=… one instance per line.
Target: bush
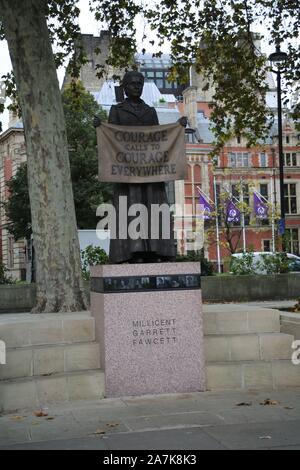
x=243, y=265
x=275, y=264
x=4, y=279
x=91, y=256
x=250, y=263
x=207, y=267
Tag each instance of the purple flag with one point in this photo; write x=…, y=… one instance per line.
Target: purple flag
x=207, y=208
x=260, y=208
x=233, y=214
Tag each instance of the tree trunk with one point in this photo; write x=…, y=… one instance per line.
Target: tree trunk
x=58, y=264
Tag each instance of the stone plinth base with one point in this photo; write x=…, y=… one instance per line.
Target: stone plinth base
x=150, y=328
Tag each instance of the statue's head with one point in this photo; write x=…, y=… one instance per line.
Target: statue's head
x=133, y=83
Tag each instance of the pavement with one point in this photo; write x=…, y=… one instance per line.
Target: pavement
x=195, y=421
x=277, y=304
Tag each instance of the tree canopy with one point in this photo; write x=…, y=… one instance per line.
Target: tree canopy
x=79, y=109
x=214, y=36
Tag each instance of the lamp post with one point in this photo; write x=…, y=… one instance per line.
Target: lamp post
x=278, y=57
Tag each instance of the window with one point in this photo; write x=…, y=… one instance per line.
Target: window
x=190, y=138
x=149, y=74
x=238, y=160
x=293, y=240
x=238, y=139
x=290, y=198
x=193, y=180
x=287, y=139
x=170, y=190
x=290, y=159
x=263, y=189
x=216, y=160
x=160, y=78
x=263, y=159
x=266, y=245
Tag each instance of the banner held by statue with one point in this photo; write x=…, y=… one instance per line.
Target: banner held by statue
x=144, y=154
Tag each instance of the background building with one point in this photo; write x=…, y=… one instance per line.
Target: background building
x=12, y=154
x=256, y=168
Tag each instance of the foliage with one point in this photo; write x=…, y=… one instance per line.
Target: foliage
x=79, y=108
x=207, y=268
x=296, y=307
x=215, y=37
x=17, y=206
x=248, y=263
x=91, y=256
x=242, y=265
x=277, y=263
x=64, y=30
x=4, y=279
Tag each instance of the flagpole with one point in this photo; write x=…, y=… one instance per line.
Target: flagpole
x=273, y=215
x=264, y=201
x=243, y=217
x=205, y=195
x=217, y=226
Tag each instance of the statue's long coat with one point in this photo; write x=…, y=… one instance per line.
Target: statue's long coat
x=124, y=114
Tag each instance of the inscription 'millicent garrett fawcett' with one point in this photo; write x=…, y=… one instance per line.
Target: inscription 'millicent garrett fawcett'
x=147, y=332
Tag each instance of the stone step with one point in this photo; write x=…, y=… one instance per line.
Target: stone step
x=37, y=392
x=48, y=360
x=235, y=319
x=26, y=329
x=248, y=347
x=253, y=375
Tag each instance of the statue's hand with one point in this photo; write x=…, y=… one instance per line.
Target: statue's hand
x=183, y=121
x=96, y=121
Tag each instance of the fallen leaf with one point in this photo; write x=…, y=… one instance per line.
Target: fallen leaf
x=265, y=437
x=40, y=414
x=289, y=408
x=50, y=418
x=268, y=401
x=99, y=431
x=244, y=403
x=112, y=425
x=17, y=418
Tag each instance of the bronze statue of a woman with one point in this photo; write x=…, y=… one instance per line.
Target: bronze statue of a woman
x=133, y=111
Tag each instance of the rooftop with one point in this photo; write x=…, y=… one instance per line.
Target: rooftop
x=147, y=61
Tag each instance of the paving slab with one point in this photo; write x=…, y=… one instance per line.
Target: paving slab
x=172, y=439
x=257, y=435
x=208, y=420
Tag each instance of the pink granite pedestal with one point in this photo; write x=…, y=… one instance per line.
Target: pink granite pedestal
x=151, y=339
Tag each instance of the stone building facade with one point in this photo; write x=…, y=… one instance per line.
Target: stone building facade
x=256, y=168
x=12, y=154
x=96, y=50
